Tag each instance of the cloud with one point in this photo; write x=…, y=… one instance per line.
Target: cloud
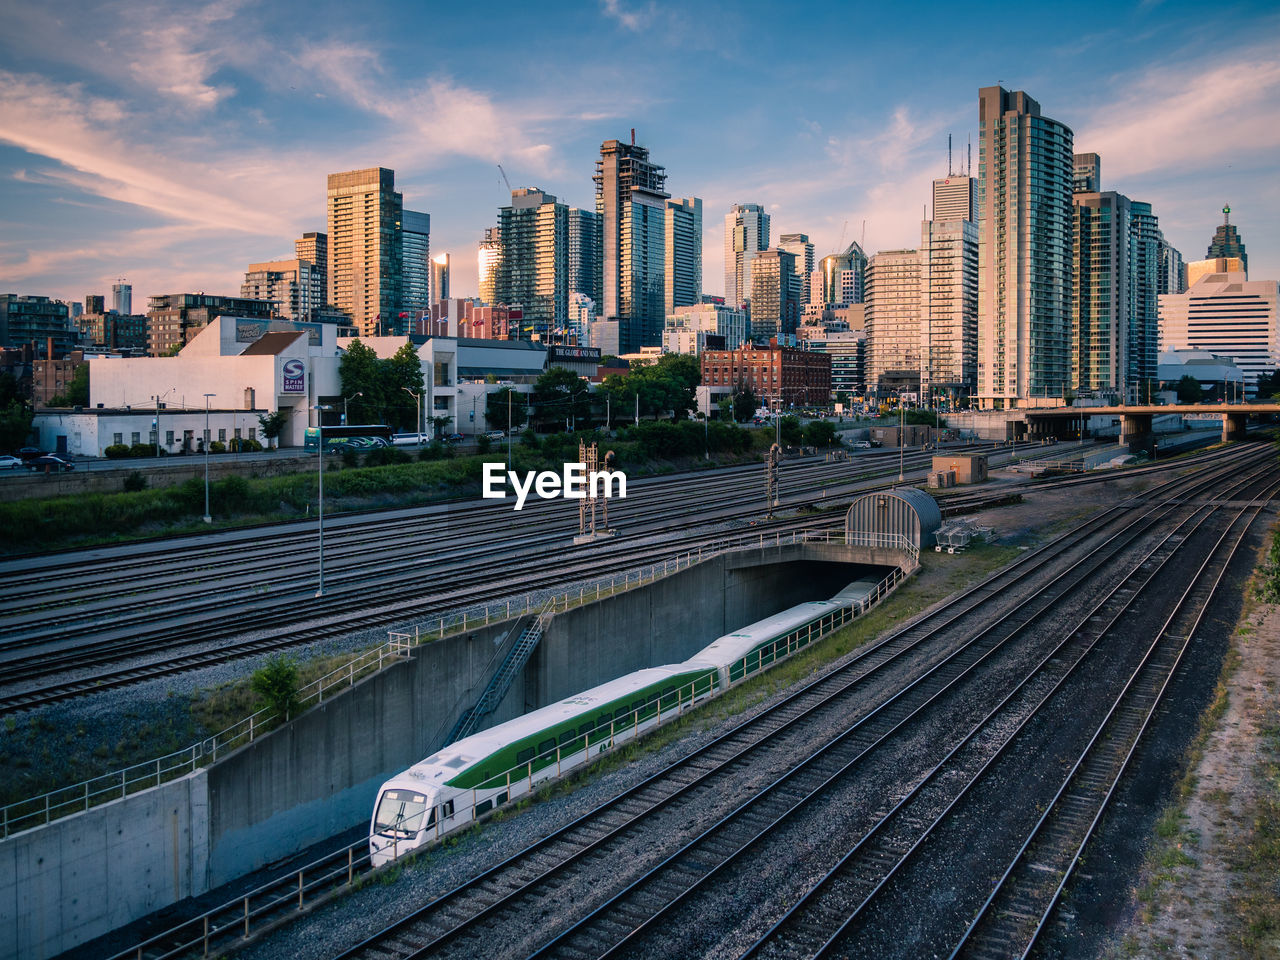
x=1173, y=120
x=633, y=20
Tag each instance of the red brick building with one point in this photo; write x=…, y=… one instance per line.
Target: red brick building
x=772, y=372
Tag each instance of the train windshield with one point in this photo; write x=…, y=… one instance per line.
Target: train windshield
x=400, y=813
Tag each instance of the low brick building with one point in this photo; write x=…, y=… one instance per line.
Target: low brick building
x=794, y=376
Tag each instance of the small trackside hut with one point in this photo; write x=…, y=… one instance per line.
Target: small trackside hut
x=902, y=518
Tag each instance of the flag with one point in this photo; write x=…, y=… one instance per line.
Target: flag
x=403, y=315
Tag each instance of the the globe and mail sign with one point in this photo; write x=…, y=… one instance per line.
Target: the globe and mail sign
x=293, y=377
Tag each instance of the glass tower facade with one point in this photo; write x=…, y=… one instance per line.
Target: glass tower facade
x=365, y=249
x=415, y=297
x=1025, y=180
x=683, y=272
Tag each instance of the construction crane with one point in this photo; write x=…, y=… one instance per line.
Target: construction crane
x=843, y=231
x=504, y=178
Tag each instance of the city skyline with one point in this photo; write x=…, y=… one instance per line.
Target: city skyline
x=174, y=147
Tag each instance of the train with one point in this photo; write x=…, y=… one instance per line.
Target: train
x=468, y=779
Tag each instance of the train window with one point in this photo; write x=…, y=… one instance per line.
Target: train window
x=621, y=713
x=567, y=737
x=524, y=756
x=546, y=746
x=446, y=809
x=637, y=705
x=586, y=729
x=431, y=818
x=483, y=807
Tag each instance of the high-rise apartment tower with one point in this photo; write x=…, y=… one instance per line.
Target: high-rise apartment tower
x=365, y=248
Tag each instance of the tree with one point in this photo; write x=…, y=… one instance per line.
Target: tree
x=403, y=373
x=77, y=392
x=359, y=372
x=276, y=683
x=496, y=408
x=273, y=425
x=792, y=433
x=820, y=433
x=439, y=425
x=1189, y=389
x=15, y=425
x=1268, y=385
x=560, y=396
x=745, y=403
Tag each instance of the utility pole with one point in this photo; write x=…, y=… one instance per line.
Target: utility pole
x=509, y=393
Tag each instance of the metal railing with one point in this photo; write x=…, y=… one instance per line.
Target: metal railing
x=239, y=919
x=64, y=801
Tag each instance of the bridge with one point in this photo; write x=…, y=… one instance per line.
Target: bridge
x=1135, y=420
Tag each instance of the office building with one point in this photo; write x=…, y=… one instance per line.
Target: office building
x=775, y=307
x=1102, y=297
x=416, y=270
x=174, y=319
x=365, y=216
x=948, y=306
x=848, y=352
x=777, y=375
x=533, y=270
x=955, y=198
x=1173, y=270
x=1086, y=173
x=37, y=320
x=798, y=244
x=122, y=297
x=893, y=324
x=585, y=268
x=1145, y=244
x=1226, y=242
x=313, y=247
x=488, y=257
x=1025, y=179
x=694, y=328
x=631, y=203
x=95, y=303
x=840, y=278
x=440, y=277
x=289, y=284
x=683, y=272
x=1229, y=315
x=746, y=233
x=117, y=332
x=582, y=313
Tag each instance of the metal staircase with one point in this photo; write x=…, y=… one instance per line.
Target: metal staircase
x=500, y=683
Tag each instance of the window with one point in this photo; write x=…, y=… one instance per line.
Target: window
x=524, y=756
x=253, y=433
x=546, y=746
x=222, y=434
x=168, y=438
x=137, y=438
x=117, y=438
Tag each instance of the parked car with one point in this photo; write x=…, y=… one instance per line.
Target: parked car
x=453, y=438
x=8, y=463
x=862, y=444
x=50, y=463
x=30, y=453
x=496, y=435
x=409, y=439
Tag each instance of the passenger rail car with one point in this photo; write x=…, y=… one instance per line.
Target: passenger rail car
x=467, y=779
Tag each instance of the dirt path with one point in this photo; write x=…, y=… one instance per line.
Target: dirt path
x=1209, y=884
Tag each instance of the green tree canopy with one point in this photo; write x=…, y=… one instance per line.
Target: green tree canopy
x=1189, y=389
x=383, y=385
x=792, y=433
x=745, y=402
x=560, y=396
x=77, y=391
x=503, y=403
x=820, y=433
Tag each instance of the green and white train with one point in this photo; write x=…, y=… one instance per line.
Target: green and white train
x=465, y=780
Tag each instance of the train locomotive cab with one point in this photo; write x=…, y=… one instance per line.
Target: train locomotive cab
x=405, y=817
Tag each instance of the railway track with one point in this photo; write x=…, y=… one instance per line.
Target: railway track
x=420, y=933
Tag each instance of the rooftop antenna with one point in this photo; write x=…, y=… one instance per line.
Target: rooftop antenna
x=864, y=236
x=948, y=158
x=1226, y=215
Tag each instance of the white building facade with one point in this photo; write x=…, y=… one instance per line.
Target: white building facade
x=1228, y=315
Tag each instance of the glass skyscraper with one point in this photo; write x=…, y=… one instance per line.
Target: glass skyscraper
x=683, y=272
x=365, y=249
x=533, y=269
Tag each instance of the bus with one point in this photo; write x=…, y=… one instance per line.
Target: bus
x=351, y=437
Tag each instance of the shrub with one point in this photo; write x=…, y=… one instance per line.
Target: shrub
x=135, y=482
x=529, y=439
x=276, y=684
x=117, y=451
x=217, y=447
x=142, y=450
x=231, y=495
x=435, y=450
x=244, y=445
x=483, y=444
x=349, y=457
x=385, y=456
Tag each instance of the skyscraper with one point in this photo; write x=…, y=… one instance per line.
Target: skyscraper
x=631, y=203
x=842, y=277
x=955, y=198
x=746, y=233
x=1173, y=271
x=440, y=277
x=1102, y=302
x=893, y=322
x=1226, y=242
x=314, y=248
x=487, y=259
x=122, y=297
x=948, y=306
x=415, y=284
x=1229, y=315
x=1025, y=171
x=683, y=270
x=774, y=307
x=798, y=245
x=1145, y=245
x=289, y=284
x=534, y=267
x=365, y=248
x=584, y=254
x=1086, y=173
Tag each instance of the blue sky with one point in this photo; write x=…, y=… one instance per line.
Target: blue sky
x=174, y=143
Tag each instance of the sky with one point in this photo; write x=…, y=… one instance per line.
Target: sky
x=173, y=143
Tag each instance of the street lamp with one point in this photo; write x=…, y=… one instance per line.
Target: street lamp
x=902, y=446
x=208, y=518
x=320, y=408
x=345, y=400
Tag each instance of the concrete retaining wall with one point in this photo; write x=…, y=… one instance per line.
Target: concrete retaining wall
x=83, y=876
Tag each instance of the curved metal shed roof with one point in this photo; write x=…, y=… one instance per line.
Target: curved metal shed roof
x=904, y=511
